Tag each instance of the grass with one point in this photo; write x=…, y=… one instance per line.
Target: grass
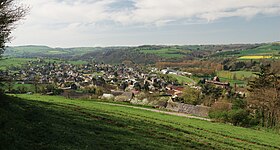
x=238, y=77
x=232, y=81
x=52, y=122
x=35, y=50
x=29, y=87
x=77, y=62
x=167, y=52
x=17, y=62
x=182, y=79
x=267, y=49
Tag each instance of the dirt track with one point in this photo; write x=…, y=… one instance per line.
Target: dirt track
x=158, y=111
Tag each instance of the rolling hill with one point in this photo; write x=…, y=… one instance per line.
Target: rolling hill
x=149, y=53
x=45, y=51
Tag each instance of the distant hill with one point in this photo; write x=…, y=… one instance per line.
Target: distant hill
x=115, y=56
x=45, y=51
x=262, y=50
x=147, y=53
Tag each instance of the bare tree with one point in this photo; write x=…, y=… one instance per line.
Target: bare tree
x=10, y=14
x=264, y=98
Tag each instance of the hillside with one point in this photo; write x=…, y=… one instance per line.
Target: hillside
x=45, y=51
x=257, y=52
x=145, y=54
x=48, y=122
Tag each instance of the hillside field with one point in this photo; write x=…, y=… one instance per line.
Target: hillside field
x=238, y=77
x=17, y=62
x=52, y=122
x=37, y=50
x=168, y=52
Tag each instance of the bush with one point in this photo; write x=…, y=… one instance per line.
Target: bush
x=218, y=115
x=191, y=96
x=238, y=117
x=219, y=111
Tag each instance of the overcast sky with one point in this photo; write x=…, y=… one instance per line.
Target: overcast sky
x=68, y=23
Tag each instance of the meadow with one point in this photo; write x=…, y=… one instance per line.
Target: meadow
x=267, y=49
x=182, y=79
x=235, y=77
x=53, y=122
x=17, y=62
x=171, y=52
x=35, y=50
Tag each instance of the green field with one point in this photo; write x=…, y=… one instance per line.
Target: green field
x=17, y=62
x=77, y=62
x=35, y=50
x=238, y=77
x=8, y=62
x=51, y=122
x=182, y=79
x=267, y=49
x=168, y=52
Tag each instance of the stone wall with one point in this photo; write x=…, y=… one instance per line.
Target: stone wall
x=197, y=110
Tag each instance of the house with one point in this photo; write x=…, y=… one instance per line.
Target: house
x=216, y=81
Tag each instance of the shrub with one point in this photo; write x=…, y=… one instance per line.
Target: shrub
x=238, y=117
x=226, y=112
x=219, y=111
x=191, y=96
x=218, y=115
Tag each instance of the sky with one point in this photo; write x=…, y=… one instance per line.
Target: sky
x=76, y=23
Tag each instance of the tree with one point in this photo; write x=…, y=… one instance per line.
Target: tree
x=10, y=13
x=211, y=93
x=123, y=86
x=137, y=86
x=146, y=86
x=192, y=96
x=264, y=98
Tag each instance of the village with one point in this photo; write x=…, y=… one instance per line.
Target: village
x=125, y=82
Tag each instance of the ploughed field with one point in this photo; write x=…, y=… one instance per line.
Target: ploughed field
x=52, y=122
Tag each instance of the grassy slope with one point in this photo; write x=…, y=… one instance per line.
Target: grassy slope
x=167, y=52
x=45, y=122
x=182, y=79
x=228, y=76
x=267, y=49
x=18, y=51
x=7, y=62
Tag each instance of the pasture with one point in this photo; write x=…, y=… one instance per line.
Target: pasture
x=264, y=50
x=17, y=62
x=238, y=77
x=52, y=122
x=168, y=52
x=182, y=79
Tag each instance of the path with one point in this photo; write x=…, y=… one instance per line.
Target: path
x=158, y=111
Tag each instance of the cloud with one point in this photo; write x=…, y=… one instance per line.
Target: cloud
x=154, y=11
x=151, y=12
x=66, y=19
